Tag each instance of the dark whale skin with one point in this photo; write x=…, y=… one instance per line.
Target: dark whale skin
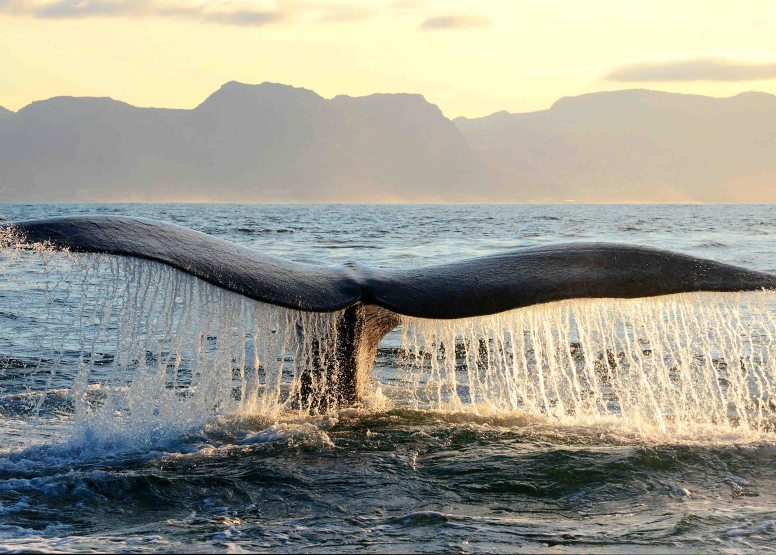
x=475, y=287
x=223, y=263
x=537, y=275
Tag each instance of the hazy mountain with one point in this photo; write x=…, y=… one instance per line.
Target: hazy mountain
x=263, y=142
x=635, y=145
x=4, y=112
x=273, y=142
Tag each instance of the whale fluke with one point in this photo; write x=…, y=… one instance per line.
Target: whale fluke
x=223, y=263
x=537, y=275
x=372, y=299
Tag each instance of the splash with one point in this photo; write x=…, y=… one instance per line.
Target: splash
x=134, y=354
x=685, y=365
x=146, y=353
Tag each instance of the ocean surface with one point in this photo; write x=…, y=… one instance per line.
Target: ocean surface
x=136, y=415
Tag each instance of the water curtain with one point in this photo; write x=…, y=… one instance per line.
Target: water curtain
x=136, y=348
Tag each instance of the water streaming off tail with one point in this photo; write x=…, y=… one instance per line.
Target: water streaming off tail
x=138, y=352
x=683, y=364
x=133, y=352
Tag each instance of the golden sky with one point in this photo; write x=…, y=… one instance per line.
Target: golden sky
x=470, y=58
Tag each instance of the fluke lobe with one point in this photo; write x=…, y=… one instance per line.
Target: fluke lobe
x=372, y=299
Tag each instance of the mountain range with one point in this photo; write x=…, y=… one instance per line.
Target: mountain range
x=635, y=145
x=277, y=143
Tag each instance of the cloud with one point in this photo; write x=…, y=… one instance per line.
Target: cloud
x=696, y=69
x=242, y=13
x=243, y=17
x=455, y=22
x=70, y=9
x=81, y=9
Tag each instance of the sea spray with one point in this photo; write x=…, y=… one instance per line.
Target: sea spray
x=685, y=364
x=145, y=354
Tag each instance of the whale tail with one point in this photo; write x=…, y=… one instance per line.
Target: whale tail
x=372, y=301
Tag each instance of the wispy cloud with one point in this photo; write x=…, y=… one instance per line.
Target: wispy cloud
x=72, y=9
x=204, y=11
x=706, y=68
x=242, y=13
x=455, y=22
x=244, y=17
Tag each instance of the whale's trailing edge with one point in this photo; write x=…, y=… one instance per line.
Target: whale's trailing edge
x=371, y=299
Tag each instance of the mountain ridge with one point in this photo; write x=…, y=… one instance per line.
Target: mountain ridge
x=635, y=145
x=259, y=143
x=278, y=143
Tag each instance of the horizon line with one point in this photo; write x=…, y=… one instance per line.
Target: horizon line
x=314, y=203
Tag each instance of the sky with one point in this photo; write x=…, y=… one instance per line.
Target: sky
x=470, y=58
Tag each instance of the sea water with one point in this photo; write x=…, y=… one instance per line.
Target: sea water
x=142, y=409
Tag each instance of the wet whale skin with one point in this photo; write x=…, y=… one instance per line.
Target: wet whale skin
x=468, y=288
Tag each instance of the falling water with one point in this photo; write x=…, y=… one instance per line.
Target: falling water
x=139, y=353
x=682, y=364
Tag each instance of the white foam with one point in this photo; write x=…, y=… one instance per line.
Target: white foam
x=304, y=434
x=26, y=541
